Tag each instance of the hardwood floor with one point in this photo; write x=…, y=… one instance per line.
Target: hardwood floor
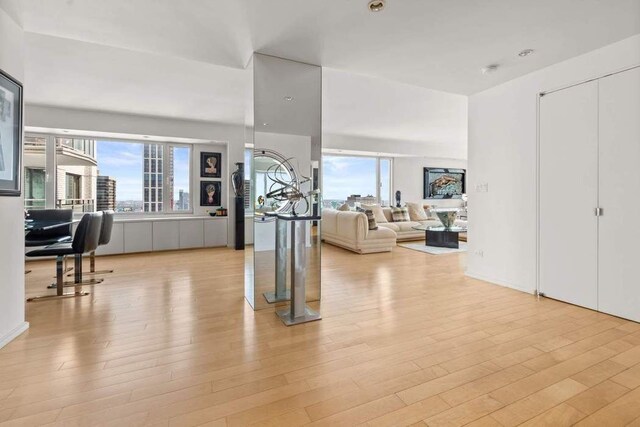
x=406, y=339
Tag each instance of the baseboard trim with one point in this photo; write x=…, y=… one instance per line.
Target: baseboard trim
x=499, y=282
x=13, y=334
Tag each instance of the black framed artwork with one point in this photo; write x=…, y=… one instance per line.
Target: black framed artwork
x=440, y=183
x=10, y=135
x=210, y=165
x=210, y=193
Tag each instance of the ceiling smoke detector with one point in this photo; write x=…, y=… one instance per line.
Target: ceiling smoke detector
x=376, y=5
x=489, y=69
x=525, y=52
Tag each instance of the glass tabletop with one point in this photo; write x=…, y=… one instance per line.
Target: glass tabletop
x=455, y=229
x=43, y=224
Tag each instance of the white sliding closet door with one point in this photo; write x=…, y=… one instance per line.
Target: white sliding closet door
x=619, y=227
x=568, y=194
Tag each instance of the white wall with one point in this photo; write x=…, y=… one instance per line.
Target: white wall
x=502, y=154
x=12, y=315
x=101, y=121
x=408, y=177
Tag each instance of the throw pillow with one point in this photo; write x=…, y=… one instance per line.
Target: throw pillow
x=400, y=214
x=377, y=212
x=370, y=218
x=344, y=207
x=416, y=212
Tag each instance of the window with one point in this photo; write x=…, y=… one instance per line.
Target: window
x=100, y=174
x=35, y=159
x=137, y=168
x=75, y=174
x=73, y=187
x=180, y=178
x=34, y=188
x=122, y=162
x=351, y=179
x=385, y=182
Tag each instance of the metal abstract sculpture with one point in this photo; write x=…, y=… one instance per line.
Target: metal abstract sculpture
x=288, y=191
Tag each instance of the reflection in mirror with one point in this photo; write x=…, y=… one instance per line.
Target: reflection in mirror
x=275, y=175
x=285, y=178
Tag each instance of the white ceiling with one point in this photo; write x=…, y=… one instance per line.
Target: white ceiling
x=368, y=107
x=385, y=74
x=435, y=44
x=69, y=73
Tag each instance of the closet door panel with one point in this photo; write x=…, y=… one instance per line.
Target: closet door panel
x=568, y=194
x=619, y=228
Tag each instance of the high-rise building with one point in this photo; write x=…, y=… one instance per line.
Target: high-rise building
x=183, y=201
x=153, y=182
x=105, y=193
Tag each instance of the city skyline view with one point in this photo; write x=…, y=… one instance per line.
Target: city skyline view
x=123, y=161
x=344, y=176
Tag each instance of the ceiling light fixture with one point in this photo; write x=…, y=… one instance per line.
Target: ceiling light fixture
x=489, y=69
x=265, y=124
x=526, y=52
x=376, y=5
x=288, y=98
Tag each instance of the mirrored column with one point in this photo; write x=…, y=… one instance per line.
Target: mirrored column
x=285, y=177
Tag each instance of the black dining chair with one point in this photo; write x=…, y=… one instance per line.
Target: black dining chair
x=105, y=238
x=85, y=240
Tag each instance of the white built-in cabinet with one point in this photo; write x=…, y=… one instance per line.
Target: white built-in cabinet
x=158, y=234
x=589, y=199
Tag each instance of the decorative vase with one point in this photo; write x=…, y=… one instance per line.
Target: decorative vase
x=237, y=180
x=447, y=217
x=398, y=198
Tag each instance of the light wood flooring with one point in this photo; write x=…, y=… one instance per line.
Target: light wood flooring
x=405, y=339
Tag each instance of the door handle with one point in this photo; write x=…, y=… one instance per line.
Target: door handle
x=599, y=211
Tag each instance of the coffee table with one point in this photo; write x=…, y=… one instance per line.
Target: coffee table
x=441, y=237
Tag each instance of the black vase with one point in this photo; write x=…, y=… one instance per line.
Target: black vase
x=237, y=180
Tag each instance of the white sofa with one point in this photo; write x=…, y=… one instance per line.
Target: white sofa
x=350, y=230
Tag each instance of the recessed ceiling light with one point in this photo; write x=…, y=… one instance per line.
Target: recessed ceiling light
x=489, y=69
x=288, y=98
x=376, y=5
x=526, y=52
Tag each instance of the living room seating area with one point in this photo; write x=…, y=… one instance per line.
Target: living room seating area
x=350, y=229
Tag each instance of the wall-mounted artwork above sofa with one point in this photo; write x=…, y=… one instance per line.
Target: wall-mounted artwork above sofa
x=440, y=183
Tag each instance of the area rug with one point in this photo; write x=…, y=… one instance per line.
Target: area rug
x=433, y=250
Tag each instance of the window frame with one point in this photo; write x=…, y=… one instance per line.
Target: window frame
x=51, y=166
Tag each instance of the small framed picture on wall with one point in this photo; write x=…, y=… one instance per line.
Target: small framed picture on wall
x=210, y=165
x=210, y=193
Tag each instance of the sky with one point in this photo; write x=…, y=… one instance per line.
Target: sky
x=123, y=162
x=344, y=176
